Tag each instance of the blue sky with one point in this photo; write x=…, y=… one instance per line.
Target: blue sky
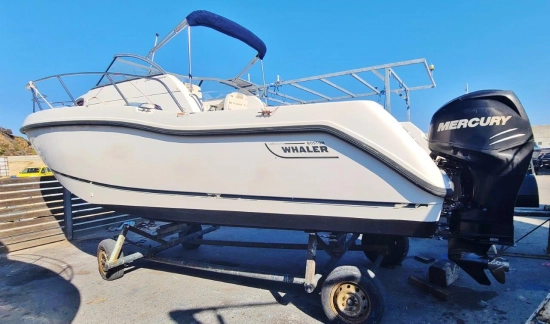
x=487, y=44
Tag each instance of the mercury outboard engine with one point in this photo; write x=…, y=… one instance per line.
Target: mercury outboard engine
x=484, y=142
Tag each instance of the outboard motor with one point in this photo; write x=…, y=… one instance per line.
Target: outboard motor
x=484, y=142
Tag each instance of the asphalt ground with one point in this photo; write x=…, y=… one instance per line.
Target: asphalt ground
x=59, y=283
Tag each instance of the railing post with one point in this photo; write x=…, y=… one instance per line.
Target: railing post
x=68, y=213
x=387, y=91
x=548, y=245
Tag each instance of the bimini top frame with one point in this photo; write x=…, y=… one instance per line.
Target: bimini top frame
x=221, y=24
x=384, y=72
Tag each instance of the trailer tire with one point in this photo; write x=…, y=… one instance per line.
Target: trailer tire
x=193, y=228
x=352, y=296
x=104, y=251
x=398, y=248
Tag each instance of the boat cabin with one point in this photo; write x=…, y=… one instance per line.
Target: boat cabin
x=158, y=89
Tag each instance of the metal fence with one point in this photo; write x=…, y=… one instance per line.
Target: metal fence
x=37, y=211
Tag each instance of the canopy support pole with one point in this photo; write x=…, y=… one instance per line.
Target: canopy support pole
x=248, y=66
x=263, y=79
x=189, y=55
x=168, y=37
x=156, y=41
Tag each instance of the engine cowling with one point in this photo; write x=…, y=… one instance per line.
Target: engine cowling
x=484, y=141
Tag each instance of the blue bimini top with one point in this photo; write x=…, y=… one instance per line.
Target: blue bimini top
x=228, y=27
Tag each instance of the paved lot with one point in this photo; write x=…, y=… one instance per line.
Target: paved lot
x=59, y=283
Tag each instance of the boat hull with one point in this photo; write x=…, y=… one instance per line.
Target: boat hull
x=261, y=212
x=275, y=175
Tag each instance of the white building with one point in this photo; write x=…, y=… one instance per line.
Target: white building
x=542, y=135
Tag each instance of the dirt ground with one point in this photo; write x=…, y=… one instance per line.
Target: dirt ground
x=59, y=283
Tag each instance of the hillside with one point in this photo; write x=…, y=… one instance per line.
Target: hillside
x=11, y=145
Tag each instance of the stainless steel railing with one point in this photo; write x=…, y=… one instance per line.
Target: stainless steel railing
x=109, y=75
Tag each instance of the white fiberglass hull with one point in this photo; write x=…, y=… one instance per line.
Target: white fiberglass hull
x=326, y=167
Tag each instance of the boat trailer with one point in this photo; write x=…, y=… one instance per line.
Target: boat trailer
x=348, y=293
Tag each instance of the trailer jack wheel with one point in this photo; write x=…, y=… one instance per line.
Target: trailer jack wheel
x=104, y=251
x=398, y=248
x=193, y=228
x=351, y=296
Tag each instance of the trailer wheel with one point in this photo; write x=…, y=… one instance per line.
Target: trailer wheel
x=351, y=296
x=398, y=248
x=190, y=230
x=104, y=251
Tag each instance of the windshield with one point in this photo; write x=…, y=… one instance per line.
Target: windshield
x=128, y=65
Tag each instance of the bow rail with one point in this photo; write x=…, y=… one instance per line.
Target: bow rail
x=39, y=98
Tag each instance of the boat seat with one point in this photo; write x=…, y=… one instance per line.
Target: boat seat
x=235, y=101
x=255, y=103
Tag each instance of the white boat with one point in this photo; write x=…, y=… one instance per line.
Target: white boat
x=154, y=145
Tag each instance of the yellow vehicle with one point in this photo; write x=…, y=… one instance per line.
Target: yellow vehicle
x=35, y=172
